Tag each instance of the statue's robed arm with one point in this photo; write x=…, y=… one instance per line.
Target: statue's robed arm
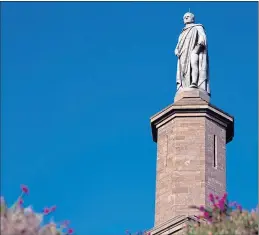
x=202, y=40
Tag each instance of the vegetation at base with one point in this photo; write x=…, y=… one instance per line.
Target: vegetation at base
x=224, y=218
x=20, y=220
x=221, y=218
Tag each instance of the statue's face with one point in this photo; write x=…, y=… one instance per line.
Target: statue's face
x=188, y=18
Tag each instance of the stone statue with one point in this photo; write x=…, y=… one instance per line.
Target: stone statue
x=193, y=60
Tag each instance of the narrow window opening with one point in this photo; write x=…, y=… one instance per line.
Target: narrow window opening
x=215, y=160
x=166, y=153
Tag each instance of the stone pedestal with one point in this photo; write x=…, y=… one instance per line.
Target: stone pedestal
x=191, y=137
x=192, y=93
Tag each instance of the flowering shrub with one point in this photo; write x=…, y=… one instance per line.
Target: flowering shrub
x=224, y=218
x=18, y=220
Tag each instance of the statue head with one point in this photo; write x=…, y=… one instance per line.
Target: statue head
x=188, y=18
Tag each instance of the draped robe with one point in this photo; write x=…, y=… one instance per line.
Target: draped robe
x=191, y=36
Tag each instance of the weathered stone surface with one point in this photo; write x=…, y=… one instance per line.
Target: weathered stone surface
x=184, y=163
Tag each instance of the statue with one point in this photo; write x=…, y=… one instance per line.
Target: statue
x=193, y=60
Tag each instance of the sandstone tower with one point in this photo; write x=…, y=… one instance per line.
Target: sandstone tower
x=191, y=136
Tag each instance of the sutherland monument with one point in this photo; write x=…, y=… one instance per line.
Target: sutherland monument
x=191, y=136
x=193, y=59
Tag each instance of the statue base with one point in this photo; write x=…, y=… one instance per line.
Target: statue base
x=191, y=93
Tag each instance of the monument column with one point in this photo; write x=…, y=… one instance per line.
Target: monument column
x=191, y=136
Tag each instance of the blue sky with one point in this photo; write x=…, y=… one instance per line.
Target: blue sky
x=79, y=84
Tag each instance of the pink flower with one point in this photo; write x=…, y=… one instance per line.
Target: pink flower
x=20, y=201
x=53, y=208
x=221, y=204
x=223, y=199
x=206, y=215
x=70, y=231
x=46, y=211
x=202, y=208
x=211, y=197
x=225, y=195
x=239, y=207
x=24, y=189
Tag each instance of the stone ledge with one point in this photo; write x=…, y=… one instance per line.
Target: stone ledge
x=172, y=226
x=193, y=107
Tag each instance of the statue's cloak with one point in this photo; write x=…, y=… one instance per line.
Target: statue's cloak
x=190, y=36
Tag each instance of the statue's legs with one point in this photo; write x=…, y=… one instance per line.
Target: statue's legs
x=195, y=69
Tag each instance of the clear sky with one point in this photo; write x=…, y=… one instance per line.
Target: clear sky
x=79, y=84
